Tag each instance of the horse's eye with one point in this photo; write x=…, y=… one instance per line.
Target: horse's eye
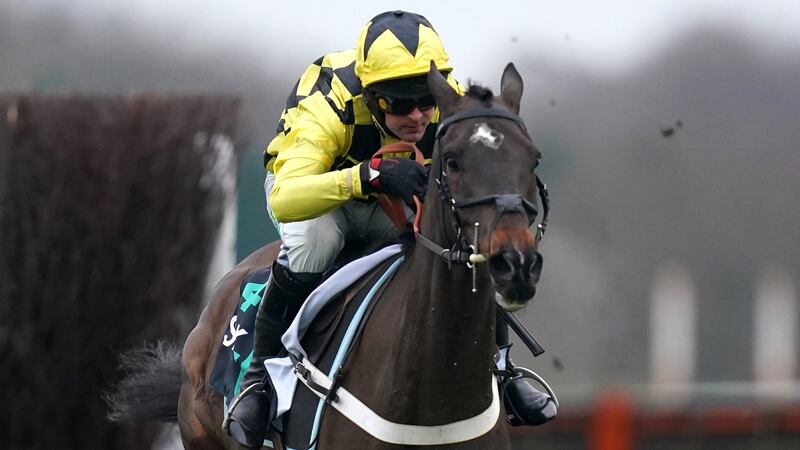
x=452, y=165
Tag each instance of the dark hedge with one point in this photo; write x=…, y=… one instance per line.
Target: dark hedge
x=109, y=208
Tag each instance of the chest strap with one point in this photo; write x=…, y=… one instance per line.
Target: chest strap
x=391, y=432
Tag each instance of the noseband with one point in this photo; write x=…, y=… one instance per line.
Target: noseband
x=463, y=252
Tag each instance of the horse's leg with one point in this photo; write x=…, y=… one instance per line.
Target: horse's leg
x=192, y=409
x=194, y=434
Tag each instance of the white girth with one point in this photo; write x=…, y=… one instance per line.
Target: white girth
x=398, y=433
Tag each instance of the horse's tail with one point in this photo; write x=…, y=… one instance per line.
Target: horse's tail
x=150, y=389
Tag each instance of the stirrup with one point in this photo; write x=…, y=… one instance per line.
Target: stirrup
x=507, y=371
x=226, y=424
x=522, y=372
x=526, y=405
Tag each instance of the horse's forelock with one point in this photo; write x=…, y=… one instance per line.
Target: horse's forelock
x=480, y=93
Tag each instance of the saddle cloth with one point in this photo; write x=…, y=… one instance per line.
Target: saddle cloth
x=315, y=333
x=236, y=349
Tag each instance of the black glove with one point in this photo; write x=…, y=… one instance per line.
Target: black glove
x=400, y=177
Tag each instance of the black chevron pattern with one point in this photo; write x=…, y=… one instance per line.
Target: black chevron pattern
x=404, y=25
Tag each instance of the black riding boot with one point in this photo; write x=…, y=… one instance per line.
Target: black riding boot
x=250, y=410
x=525, y=405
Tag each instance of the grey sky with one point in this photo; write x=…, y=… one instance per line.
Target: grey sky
x=608, y=36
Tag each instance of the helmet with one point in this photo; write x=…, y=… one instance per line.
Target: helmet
x=393, y=56
x=398, y=44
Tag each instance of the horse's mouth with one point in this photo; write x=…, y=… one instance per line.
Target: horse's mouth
x=509, y=304
x=514, y=297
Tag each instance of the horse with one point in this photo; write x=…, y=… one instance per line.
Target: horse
x=426, y=354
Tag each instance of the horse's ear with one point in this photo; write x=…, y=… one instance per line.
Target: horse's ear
x=446, y=97
x=511, y=87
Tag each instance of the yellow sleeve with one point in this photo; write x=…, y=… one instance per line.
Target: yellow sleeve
x=304, y=187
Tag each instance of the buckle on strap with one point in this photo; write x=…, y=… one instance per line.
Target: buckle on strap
x=299, y=368
x=305, y=373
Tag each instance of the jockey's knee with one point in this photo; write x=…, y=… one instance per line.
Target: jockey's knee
x=317, y=249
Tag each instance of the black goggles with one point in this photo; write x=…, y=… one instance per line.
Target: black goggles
x=403, y=106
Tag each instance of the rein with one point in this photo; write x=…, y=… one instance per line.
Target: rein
x=462, y=251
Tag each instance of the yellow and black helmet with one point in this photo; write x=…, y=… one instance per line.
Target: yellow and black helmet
x=398, y=44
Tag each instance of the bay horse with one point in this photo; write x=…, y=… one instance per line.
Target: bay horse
x=426, y=354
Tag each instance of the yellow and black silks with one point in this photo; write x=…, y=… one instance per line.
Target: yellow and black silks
x=326, y=129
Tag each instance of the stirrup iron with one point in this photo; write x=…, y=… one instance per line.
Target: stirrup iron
x=522, y=372
x=244, y=393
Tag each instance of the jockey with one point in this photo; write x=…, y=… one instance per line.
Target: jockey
x=345, y=107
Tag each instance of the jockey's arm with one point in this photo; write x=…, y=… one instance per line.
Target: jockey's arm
x=305, y=187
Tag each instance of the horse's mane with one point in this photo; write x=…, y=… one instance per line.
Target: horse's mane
x=480, y=93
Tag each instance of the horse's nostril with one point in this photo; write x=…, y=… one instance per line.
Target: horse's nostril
x=535, y=267
x=503, y=265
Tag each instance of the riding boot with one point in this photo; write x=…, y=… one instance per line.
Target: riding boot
x=250, y=411
x=525, y=405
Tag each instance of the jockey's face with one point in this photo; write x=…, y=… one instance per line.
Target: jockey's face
x=410, y=127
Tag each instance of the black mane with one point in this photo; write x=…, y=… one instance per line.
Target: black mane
x=480, y=93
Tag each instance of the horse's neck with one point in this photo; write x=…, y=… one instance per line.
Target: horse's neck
x=440, y=339
x=458, y=324
x=430, y=341
x=455, y=326
x=425, y=354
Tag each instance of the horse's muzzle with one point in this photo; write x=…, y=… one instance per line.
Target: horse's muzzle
x=515, y=274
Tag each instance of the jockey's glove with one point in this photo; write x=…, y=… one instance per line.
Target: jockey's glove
x=399, y=177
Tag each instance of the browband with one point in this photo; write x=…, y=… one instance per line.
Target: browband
x=478, y=112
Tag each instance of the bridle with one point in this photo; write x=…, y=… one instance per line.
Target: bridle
x=462, y=251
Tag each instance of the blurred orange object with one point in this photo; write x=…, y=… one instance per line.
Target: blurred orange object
x=612, y=423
